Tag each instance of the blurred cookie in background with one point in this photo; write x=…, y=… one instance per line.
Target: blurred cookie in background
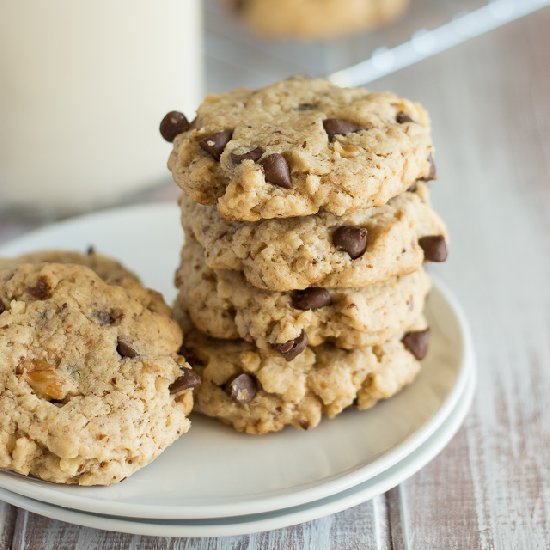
x=315, y=19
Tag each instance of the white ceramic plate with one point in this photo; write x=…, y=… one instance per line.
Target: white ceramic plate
x=214, y=472
x=242, y=525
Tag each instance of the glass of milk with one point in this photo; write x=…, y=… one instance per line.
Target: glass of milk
x=83, y=88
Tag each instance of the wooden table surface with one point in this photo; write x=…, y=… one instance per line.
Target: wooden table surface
x=490, y=488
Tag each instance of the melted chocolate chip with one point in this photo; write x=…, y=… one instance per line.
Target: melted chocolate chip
x=338, y=126
x=351, y=239
x=432, y=174
x=239, y=5
x=110, y=317
x=190, y=356
x=291, y=349
x=189, y=379
x=311, y=298
x=434, y=247
x=417, y=342
x=41, y=290
x=124, y=350
x=173, y=124
x=254, y=155
x=401, y=118
x=242, y=389
x=276, y=170
x=214, y=144
x=307, y=106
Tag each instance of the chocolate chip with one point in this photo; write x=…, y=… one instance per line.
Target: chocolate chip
x=401, y=118
x=432, y=174
x=291, y=349
x=351, y=239
x=434, y=247
x=276, y=170
x=2, y=307
x=173, y=124
x=338, y=126
x=304, y=424
x=124, y=350
x=254, y=155
x=242, y=389
x=239, y=5
x=214, y=144
x=310, y=298
x=41, y=290
x=189, y=379
x=190, y=356
x=417, y=342
x=110, y=317
x=90, y=251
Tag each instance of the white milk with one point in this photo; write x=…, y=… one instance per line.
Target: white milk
x=84, y=85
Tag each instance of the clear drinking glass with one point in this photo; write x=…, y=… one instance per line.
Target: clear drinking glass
x=83, y=87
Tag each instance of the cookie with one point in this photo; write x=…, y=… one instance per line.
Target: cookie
x=355, y=250
x=301, y=146
x=109, y=269
x=223, y=305
x=91, y=385
x=259, y=392
x=314, y=19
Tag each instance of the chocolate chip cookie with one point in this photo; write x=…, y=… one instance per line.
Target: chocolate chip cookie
x=223, y=305
x=109, y=269
x=355, y=250
x=299, y=147
x=258, y=392
x=91, y=384
x=314, y=19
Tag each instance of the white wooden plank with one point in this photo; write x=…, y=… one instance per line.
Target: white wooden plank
x=364, y=526
x=488, y=101
x=7, y=522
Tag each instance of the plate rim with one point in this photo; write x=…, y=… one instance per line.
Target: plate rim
x=281, y=518
x=46, y=492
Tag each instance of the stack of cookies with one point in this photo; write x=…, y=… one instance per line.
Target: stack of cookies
x=307, y=223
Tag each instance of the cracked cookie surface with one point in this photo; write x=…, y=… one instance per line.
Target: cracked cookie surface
x=90, y=377
x=301, y=146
